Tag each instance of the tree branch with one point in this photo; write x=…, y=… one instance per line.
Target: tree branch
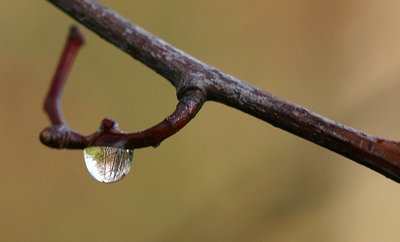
x=187, y=73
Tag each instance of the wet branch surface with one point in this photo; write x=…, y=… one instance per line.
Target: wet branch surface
x=196, y=83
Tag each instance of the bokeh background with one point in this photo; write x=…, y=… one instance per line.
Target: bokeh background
x=226, y=176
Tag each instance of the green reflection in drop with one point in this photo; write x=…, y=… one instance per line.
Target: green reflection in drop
x=108, y=164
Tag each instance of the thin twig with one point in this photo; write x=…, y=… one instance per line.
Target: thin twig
x=187, y=73
x=59, y=135
x=53, y=99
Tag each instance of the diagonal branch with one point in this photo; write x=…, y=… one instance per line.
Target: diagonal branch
x=187, y=73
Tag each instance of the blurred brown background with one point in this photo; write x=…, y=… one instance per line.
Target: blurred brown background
x=226, y=176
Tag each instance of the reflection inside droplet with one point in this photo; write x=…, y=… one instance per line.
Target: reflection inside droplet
x=108, y=164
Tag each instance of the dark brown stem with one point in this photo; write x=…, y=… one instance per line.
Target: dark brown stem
x=187, y=73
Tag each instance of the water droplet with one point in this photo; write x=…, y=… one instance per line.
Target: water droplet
x=108, y=164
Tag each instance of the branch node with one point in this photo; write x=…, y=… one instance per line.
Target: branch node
x=56, y=136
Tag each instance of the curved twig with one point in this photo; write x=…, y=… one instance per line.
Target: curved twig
x=58, y=135
x=187, y=73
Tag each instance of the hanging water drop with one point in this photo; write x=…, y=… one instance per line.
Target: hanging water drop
x=108, y=164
